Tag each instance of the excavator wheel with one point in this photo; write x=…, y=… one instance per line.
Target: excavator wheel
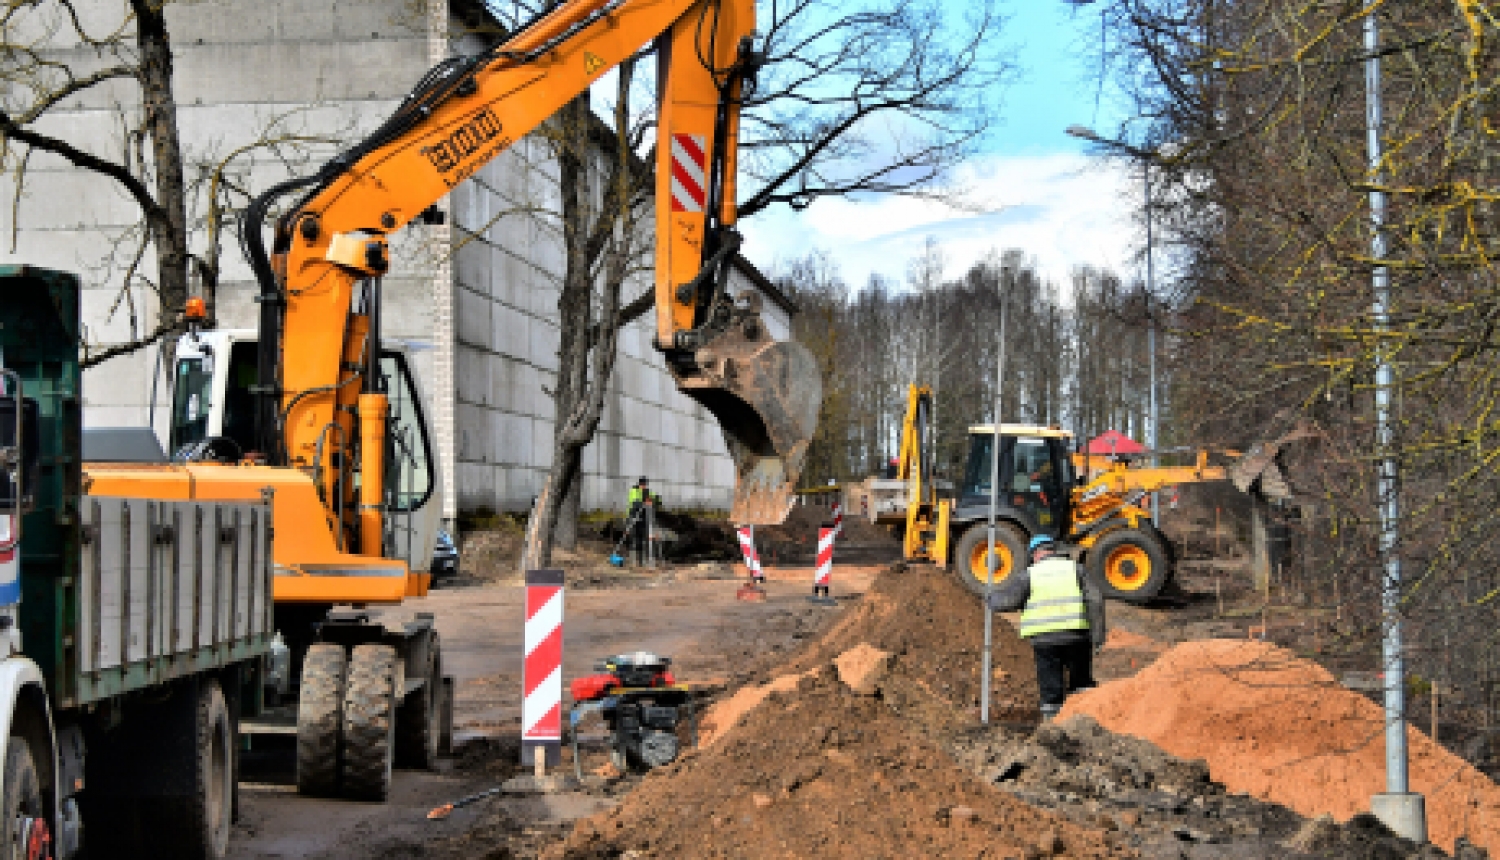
x=418, y=719
x=969, y=558
x=319, y=717
x=375, y=676
x=1132, y=565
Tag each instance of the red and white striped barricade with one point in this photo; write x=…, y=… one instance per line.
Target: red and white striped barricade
x=541, y=674
x=750, y=591
x=752, y=558
x=838, y=517
x=824, y=573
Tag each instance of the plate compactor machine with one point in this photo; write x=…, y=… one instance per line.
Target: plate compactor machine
x=641, y=704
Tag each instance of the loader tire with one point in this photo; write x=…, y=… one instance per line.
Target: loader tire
x=1130, y=565
x=370, y=698
x=320, y=705
x=417, y=721
x=972, y=552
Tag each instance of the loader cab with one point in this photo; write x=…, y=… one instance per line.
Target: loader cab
x=1036, y=475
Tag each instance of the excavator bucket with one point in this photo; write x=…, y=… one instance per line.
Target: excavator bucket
x=765, y=394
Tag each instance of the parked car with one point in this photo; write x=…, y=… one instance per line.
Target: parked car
x=444, y=555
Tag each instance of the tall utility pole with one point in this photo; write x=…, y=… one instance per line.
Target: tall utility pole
x=989, y=561
x=1403, y=812
x=1150, y=324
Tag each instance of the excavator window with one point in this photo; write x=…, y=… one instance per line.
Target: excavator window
x=408, y=459
x=192, y=400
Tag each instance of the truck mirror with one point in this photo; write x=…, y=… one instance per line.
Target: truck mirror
x=18, y=465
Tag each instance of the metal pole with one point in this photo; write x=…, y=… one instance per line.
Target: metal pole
x=989, y=562
x=1390, y=511
x=1150, y=325
x=1402, y=811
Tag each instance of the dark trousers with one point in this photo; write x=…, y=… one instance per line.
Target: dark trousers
x=1063, y=666
x=639, y=533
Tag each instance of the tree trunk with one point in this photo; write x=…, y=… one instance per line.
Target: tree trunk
x=169, y=229
x=565, y=531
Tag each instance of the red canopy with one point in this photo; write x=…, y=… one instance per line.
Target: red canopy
x=1114, y=442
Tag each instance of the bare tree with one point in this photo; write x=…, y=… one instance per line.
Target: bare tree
x=49, y=56
x=882, y=98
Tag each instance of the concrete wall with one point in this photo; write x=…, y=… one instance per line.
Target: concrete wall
x=476, y=296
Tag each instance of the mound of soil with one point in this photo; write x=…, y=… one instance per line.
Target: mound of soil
x=1165, y=806
x=935, y=629
x=1283, y=729
x=819, y=771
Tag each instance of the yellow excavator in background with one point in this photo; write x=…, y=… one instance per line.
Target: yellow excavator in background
x=338, y=430
x=1091, y=505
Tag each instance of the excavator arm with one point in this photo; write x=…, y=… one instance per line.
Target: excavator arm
x=322, y=406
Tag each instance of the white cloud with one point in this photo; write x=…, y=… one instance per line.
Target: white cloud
x=1063, y=210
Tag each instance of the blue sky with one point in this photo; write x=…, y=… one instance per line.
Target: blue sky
x=1040, y=190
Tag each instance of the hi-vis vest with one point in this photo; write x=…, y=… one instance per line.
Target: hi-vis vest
x=1056, y=601
x=636, y=496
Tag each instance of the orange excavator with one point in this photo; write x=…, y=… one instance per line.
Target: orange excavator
x=338, y=430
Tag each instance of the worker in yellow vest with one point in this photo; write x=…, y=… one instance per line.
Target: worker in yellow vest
x=643, y=507
x=1062, y=616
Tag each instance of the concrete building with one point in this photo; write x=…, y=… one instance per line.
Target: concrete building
x=476, y=295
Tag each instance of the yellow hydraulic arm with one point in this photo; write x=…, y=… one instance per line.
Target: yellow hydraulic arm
x=1106, y=494
x=926, y=537
x=321, y=285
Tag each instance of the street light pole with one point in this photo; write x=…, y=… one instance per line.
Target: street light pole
x=1400, y=810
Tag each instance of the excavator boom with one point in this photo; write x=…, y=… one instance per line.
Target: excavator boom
x=320, y=293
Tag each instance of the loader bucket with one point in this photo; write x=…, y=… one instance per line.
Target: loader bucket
x=765, y=395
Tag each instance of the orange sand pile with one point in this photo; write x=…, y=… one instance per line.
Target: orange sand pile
x=1282, y=729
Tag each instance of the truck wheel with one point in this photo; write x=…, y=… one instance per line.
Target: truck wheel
x=417, y=726
x=27, y=837
x=971, y=555
x=370, y=698
x=193, y=822
x=1130, y=565
x=319, y=718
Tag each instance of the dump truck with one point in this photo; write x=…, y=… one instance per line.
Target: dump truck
x=135, y=630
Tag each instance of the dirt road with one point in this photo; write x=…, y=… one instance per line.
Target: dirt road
x=698, y=622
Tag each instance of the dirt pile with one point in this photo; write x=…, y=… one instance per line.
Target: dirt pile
x=819, y=771
x=1165, y=806
x=934, y=630
x=1282, y=729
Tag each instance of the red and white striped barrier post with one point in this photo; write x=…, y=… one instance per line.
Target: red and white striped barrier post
x=541, y=674
x=752, y=558
x=838, y=517
x=824, y=573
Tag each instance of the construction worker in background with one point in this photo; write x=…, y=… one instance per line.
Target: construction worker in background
x=643, y=505
x=1062, y=615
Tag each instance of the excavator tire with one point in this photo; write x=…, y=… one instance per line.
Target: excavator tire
x=417, y=727
x=1132, y=565
x=370, y=700
x=320, y=701
x=969, y=557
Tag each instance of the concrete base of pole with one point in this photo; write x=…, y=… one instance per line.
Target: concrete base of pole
x=1404, y=814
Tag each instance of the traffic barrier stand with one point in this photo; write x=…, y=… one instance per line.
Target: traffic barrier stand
x=824, y=574
x=541, y=673
x=753, y=590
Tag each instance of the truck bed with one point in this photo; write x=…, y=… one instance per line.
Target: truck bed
x=165, y=589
